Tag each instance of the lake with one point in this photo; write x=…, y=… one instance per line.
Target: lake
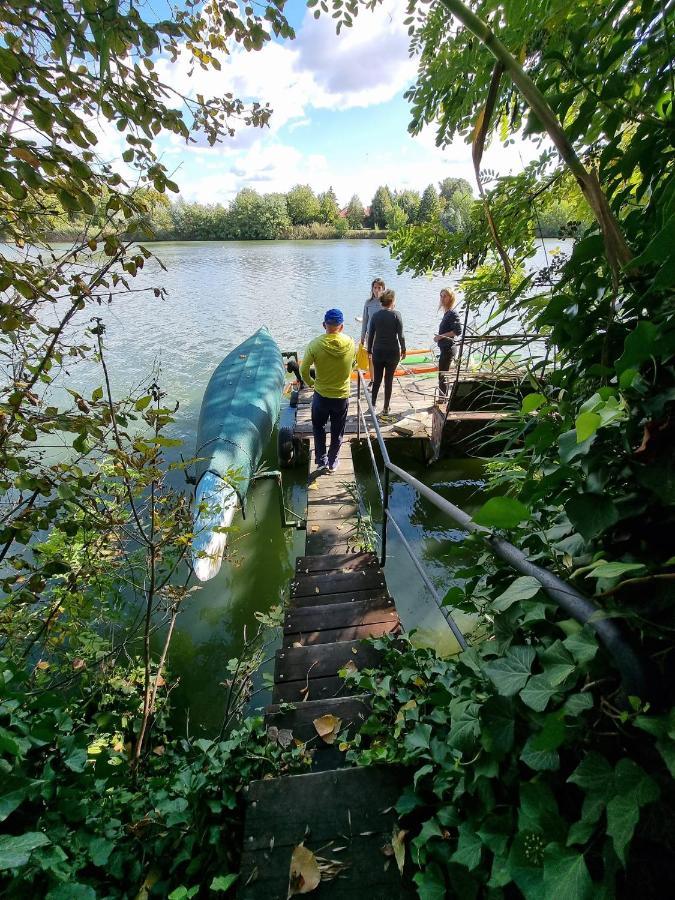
x=218, y=294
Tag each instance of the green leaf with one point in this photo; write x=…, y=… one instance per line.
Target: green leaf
x=522, y=588
x=586, y=425
x=497, y=721
x=430, y=883
x=510, y=673
x=469, y=847
x=593, y=773
x=15, y=851
x=639, y=346
x=557, y=663
x=623, y=815
x=565, y=874
x=223, y=882
x=604, y=569
x=418, y=739
x=501, y=512
x=539, y=760
x=583, y=645
x=570, y=448
x=11, y=800
x=537, y=693
x=551, y=735
x=12, y=185
x=532, y=402
x=72, y=891
x=591, y=514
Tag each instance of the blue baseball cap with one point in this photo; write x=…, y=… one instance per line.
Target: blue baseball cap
x=333, y=317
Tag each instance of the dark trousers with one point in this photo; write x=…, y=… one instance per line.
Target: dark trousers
x=444, y=361
x=323, y=409
x=384, y=365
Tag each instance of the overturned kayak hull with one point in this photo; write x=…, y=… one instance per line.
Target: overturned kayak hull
x=239, y=410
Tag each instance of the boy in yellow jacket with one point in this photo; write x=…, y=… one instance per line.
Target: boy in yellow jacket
x=333, y=357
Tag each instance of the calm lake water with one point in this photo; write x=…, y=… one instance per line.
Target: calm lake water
x=218, y=294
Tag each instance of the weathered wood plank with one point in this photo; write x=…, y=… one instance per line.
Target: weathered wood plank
x=346, y=633
x=318, y=689
x=367, y=873
x=335, y=615
x=323, y=599
x=352, y=711
x=337, y=582
x=322, y=660
x=346, y=802
x=304, y=565
x=331, y=512
x=333, y=540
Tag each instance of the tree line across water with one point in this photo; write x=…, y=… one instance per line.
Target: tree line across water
x=303, y=214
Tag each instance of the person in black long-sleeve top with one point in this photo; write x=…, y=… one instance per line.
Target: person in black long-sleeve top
x=449, y=329
x=387, y=345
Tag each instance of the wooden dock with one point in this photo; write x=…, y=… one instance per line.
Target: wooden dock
x=412, y=408
x=345, y=816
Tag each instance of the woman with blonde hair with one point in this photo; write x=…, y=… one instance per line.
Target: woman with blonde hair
x=449, y=329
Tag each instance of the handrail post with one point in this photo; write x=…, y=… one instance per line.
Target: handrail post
x=385, y=510
x=358, y=406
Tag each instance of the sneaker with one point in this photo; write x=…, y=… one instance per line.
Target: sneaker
x=321, y=465
x=370, y=385
x=332, y=469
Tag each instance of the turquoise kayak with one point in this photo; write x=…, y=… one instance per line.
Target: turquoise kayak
x=239, y=410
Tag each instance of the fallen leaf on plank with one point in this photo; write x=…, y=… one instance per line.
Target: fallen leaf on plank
x=398, y=845
x=327, y=727
x=304, y=874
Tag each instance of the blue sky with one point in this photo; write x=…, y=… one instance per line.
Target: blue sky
x=339, y=116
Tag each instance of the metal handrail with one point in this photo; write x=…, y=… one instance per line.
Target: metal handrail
x=568, y=598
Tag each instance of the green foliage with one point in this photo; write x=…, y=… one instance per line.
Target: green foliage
x=430, y=206
x=77, y=817
x=355, y=213
x=506, y=791
x=379, y=206
x=303, y=205
x=328, y=206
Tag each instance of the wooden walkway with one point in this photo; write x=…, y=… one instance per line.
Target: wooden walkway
x=345, y=816
x=412, y=410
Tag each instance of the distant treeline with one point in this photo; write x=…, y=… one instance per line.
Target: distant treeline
x=300, y=214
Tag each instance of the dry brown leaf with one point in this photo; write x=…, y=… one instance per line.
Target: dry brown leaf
x=398, y=845
x=43, y=664
x=159, y=750
x=78, y=664
x=297, y=643
x=285, y=738
x=388, y=850
x=304, y=875
x=327, y=727
x=314, y=529
x=350, y=666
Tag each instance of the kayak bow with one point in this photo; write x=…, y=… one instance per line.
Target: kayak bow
x=240, y=407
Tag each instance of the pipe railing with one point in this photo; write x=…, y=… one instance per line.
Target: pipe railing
x=580, y=608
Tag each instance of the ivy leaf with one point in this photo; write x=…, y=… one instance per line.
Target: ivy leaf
x=497, y=721
x=557, y=663
x=639, y=346
x=565, y=874
x=501, y=512
x=583, y=645
x=593, y=773
x=539, y=760
x=538, y=692
x=469, y=847
x=522, y=588
x=418, y=739
x=15, y=850
x=510, y=674
x=430, y=883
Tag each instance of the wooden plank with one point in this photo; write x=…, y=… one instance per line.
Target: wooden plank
x=317, y=689
x=322, y=660
x=346, y=802
x=337, y=541
x=367, y=873
x=331, y=511
x=331, y=561
x=324, y=599
x=337, y=582
x=299, y=718
x=346, y=633
x=336, y=615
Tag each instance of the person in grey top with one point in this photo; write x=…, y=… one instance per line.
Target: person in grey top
x=372, y=306
x=386, y=344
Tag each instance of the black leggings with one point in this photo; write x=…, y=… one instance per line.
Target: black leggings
x=446, y=357
x=384, y=365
